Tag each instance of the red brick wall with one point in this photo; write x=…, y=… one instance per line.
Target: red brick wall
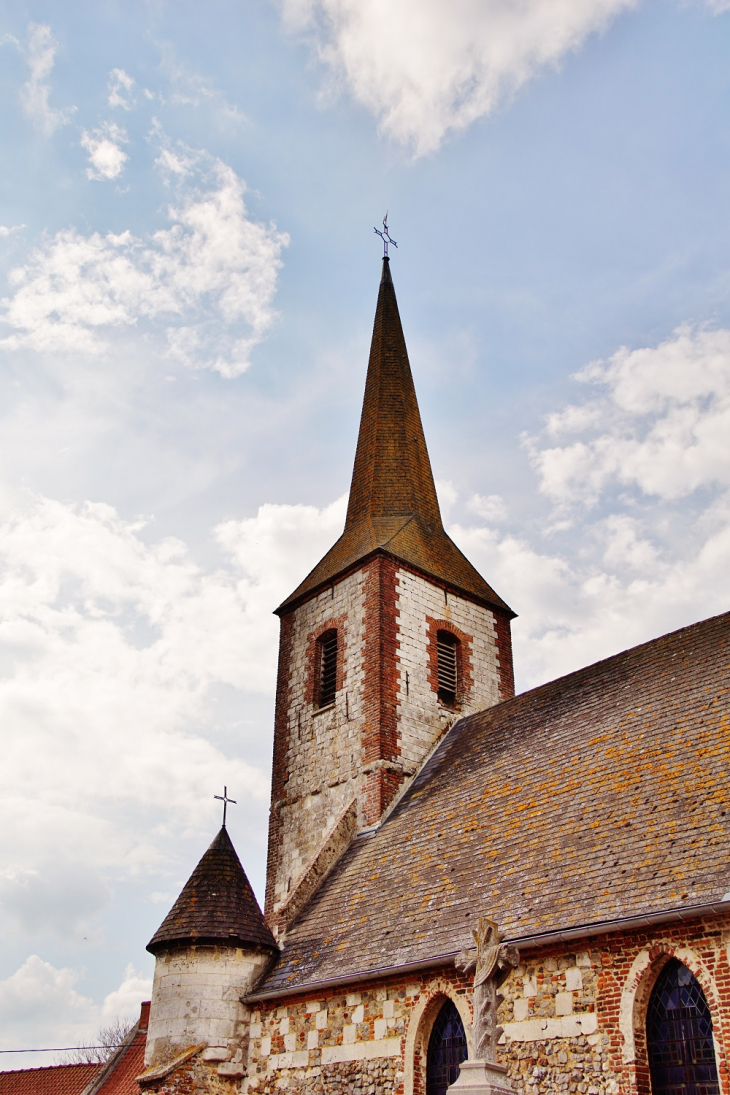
x=504, y=651
x=280, y=773
x=380, y=689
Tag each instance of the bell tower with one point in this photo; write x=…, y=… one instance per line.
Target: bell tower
x=391, y=638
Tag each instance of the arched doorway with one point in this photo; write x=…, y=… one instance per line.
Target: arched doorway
x=446, y=1050
x=679, y=1035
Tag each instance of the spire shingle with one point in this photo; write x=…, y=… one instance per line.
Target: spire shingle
x=216, y=905
x=393, y=505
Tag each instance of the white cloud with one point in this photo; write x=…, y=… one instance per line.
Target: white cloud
x=640, y=476
x=106, y=157
x=60, y=900
x=35, y=93
x=657, y=420
x=125, y=1000
x=41, y=1006
x=110, y=650
x=425, y=68
x=120, y=88
x=490, y=507
x=215, y=267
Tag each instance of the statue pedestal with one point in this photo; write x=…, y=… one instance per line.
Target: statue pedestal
x=481, y=1078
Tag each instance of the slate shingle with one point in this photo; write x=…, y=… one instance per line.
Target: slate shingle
x=216, y=905
x=601, y=795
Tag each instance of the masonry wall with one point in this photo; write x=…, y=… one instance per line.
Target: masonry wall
x=316, y=753
x=386, y=717
x=196, y=999
x=422, y=609
x=573, y=1019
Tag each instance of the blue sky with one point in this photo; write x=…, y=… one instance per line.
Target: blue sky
x=189, y=274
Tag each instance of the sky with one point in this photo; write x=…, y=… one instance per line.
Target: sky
x=188, y=276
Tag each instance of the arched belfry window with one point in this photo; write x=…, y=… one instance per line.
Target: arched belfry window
x=446, y=1050
x=326, y=668
x=679, y=1035
x=447, y=649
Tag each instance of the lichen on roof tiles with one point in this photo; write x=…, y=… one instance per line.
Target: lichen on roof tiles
x=557, y=808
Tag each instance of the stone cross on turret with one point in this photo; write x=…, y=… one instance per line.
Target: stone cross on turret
x=490, y=961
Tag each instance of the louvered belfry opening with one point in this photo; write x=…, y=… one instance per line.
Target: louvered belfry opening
x=448, y=667
x=327, y=668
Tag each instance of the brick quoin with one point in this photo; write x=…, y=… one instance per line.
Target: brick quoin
x=280, y=773
x=504, y=651
x=380, y=688
x=464, y=659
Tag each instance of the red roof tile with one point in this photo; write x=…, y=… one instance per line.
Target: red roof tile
x=53, y=1080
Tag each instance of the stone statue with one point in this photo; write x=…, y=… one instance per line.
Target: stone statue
x=491, y=963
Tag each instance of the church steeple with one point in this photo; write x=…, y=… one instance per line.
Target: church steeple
x=392, y=476
x=385, y=643
x=393, y=505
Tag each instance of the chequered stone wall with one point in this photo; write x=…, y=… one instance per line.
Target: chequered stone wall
x=573, y=1019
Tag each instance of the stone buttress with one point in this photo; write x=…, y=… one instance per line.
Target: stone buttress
x=382, y=597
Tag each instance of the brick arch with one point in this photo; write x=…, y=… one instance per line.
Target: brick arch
x=635, y=994
x=420, y=1025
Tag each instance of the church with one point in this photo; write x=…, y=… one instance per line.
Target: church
x=467, y=889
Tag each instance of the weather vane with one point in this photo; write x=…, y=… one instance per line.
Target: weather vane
x=385, y=236
x=225, y=800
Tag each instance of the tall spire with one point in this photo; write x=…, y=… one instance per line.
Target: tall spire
x=393, y=505
x=392, y=475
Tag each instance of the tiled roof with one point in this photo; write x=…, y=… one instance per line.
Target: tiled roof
x=393, y=505
x=217, y=905
x=118, y=1076
x=54, y=1080
x=598, y=796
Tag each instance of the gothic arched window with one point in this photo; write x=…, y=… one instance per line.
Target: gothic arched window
x=326, y=668
x=446, y=1050
x=679, y=1035
x=447, y=650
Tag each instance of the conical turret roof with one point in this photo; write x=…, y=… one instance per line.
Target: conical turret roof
x=393, y=505
x=217, y=905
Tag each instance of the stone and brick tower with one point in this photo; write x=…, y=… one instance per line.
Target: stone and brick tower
x=212, y=947
x=384, y=644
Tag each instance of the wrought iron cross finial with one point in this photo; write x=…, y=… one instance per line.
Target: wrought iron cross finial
x=385, y=236
x=225, y=800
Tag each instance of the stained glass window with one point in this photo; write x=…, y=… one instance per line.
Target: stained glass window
x=446, y=1050
x=679, y=1035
